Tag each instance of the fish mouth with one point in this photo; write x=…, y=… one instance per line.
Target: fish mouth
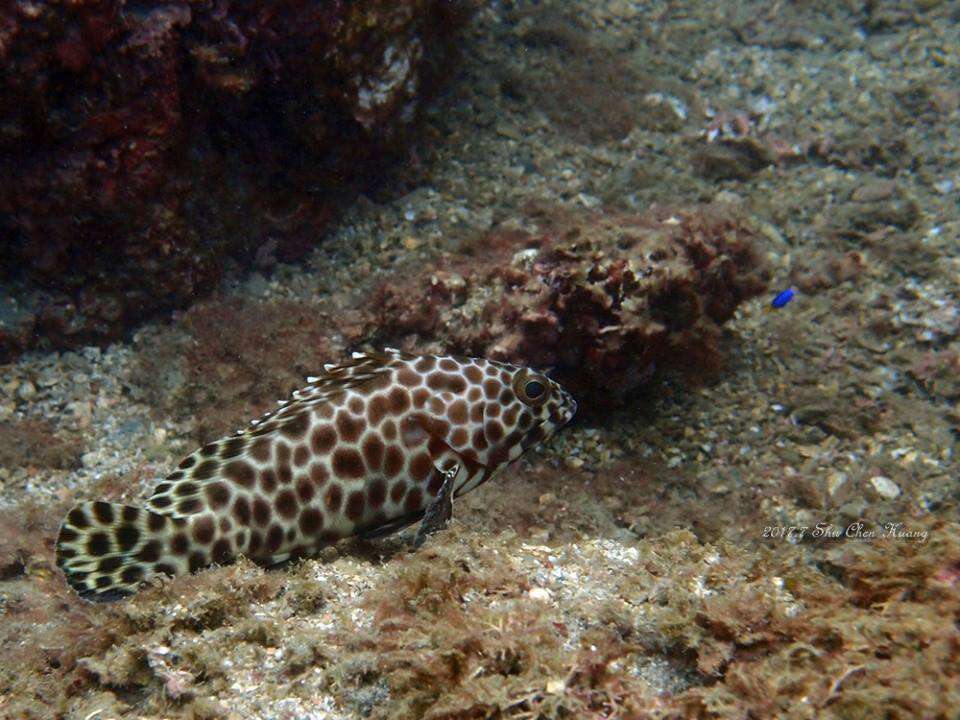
x=568, y=411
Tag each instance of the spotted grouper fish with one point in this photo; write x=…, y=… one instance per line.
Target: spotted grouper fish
x=367, y=448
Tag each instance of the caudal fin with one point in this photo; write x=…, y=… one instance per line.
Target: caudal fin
x=106, y=550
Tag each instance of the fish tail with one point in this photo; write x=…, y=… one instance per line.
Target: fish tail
x=106, y=550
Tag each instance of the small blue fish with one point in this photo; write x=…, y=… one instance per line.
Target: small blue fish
x=782, y=298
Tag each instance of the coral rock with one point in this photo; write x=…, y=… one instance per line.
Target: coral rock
x=141, y=145
x=603, y=300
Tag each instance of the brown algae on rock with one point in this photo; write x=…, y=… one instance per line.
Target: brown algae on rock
x=602, y=299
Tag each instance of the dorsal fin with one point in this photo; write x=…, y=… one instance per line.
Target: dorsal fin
x=334, y=379
x=360, y=363
x=184, y=491
x=341, y=376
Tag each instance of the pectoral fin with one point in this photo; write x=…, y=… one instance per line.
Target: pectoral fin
x=438, y=513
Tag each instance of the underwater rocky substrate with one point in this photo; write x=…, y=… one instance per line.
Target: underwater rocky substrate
x=602, y=299
x=143, y=146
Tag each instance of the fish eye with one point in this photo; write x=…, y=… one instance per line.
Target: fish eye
x=534, y=389
x=531, y=389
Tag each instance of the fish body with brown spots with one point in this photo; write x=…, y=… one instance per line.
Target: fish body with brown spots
x=368, y=447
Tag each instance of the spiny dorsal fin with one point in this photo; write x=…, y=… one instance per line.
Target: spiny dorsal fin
x=187, y=490
x=335, y=379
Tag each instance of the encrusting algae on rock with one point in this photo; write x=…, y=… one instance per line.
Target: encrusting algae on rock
x=369, y=447
x=602, y=298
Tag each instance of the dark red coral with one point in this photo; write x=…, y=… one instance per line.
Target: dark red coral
x=143, y=144
x=601, y=299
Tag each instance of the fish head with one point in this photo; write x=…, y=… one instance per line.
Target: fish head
x=522, y=408
x=485, y=414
